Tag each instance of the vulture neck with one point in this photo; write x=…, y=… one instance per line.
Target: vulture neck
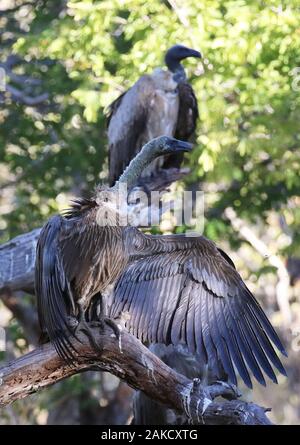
x=148, y=153
x=177, y=69
x=179, y=75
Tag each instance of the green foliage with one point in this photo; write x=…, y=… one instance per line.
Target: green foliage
x=90, y=51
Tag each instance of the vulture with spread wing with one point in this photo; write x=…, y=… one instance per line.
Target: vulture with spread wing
x=161, y=103
x=175, y=289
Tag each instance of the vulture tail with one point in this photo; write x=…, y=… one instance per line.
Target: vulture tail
x=52, y=291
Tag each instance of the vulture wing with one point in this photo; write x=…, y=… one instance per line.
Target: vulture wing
x=127, y=120
x=113, y=107
x=59, y=280
x=52, y=289
x=188, y=292
x=188, y=112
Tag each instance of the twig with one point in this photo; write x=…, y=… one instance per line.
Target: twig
x=21, y=97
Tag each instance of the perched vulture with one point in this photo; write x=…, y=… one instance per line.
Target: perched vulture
x=175, y=289
x=81, y=254
x=161, y=103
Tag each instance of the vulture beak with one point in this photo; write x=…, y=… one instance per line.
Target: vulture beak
x=177, y=53
x=194, y=53
x=174, y=145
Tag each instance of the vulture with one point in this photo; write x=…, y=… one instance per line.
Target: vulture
x=161, y=103
x=174, y=289
x=82, y=253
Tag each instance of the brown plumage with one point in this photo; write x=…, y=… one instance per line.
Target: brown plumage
x=82, y=253
x=184, y=290
x=73, y=264
x=161, y=103
x=176, y=289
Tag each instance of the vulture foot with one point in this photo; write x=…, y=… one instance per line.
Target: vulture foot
x=86, y=328
x=105, y=321
x=103, y=318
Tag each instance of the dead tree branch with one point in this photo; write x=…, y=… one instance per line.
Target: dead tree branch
x=19, y=96
x=17, y=259
x=129, y=360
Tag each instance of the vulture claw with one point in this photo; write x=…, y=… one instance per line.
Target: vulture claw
x=87, y=329
x=105, y=321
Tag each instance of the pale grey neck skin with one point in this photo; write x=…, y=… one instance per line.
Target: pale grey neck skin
x=179, y=75
x=133, y=171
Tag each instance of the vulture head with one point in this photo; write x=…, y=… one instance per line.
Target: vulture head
x=175, y=55
x=164, y=145
x=160, y=146
x=111, y=202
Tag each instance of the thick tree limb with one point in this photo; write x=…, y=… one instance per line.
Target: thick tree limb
x=128, y=359
x=17, y=259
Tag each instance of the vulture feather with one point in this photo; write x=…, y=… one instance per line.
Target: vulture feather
x=182, y=290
